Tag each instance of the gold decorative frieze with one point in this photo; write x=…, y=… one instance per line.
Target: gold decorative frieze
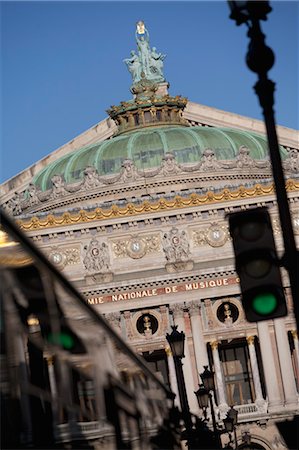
x=215, y=236
x=136, y=246
x=148, y=207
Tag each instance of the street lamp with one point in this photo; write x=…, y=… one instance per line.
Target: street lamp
x=260, y=59
x=176, y=341
x=197, y=436
x=203, y=395
x=230, y=423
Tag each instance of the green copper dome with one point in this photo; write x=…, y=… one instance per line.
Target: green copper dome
x=147, y=146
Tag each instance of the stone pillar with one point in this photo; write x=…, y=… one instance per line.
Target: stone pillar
x=172, y=376
x=178, y=313
x=22, y=376
x=114, y=320
x=287, y=372
x=271, y=380
x=128, y=325
x=296, y=345
x=53, y=387
x=200, y=348
x=220, y=385
x=259, y=400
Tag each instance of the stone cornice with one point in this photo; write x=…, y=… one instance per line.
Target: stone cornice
x=194, y=112
x=147, y=207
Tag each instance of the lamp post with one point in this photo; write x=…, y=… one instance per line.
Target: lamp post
x=260, y=59
x=230, y=423
x=203, y=395
x=176, y=342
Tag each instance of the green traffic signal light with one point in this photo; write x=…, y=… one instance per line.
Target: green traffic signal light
x=257, y=265
x=264, y=303
x=63, y=339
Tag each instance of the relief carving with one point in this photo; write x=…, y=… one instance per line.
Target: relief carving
x=91, y=178
x=176, y=246
x=215, y=236
x=129, y=171
x=177, y=251
x=209, y=161
x=136, y=247
x=58, y=186
x=169, y=165
x=291, y=163
x=97, y=261
x=63, y=257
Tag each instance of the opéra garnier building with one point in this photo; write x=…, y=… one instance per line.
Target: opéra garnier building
x=133, y=212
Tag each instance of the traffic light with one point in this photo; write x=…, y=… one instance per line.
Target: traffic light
x=257, y=265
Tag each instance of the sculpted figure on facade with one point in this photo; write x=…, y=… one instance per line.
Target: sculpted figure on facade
x=58, y=186
x=209, y=161
x=134, y=66
x=129, y=171
x=169, y=164
x=156, y=63
x=91, y=178
x=13, y=206
x=148, y=61
x=244, y=160
x=96, y=258
x=33, y=195
x=291, y=163
x=144, y=50
x=176, y=246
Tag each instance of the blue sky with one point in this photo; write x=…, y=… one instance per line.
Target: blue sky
x=62, y=65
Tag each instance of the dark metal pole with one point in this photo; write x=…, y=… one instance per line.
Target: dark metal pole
x=260, y=59
x=235, y=437
x=213, y=413
x=183, y=394
x=216, y=434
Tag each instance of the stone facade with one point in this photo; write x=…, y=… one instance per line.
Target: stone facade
x=152, y=249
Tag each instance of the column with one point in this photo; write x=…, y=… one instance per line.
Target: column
x=295, y=339
x=220, y=386
x=172, y=376
x=22, y=376
x=287, y=373
x=200, y=348
x=269, y=367
x=114, y=320
x=259, y=400
x=178, y=313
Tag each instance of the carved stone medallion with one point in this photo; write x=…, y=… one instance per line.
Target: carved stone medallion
x=136, y=248
x=216, y=235
x=58, y=258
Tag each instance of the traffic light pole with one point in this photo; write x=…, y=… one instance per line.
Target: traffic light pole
x=260, y=59
x=264, y=89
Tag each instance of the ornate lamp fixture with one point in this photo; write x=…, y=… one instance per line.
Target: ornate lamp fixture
x=207, y=378
x=176, y=342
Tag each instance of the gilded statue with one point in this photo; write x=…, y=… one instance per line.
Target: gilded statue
x=148, y=61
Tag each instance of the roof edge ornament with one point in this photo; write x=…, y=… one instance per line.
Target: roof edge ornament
x=148, y=62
